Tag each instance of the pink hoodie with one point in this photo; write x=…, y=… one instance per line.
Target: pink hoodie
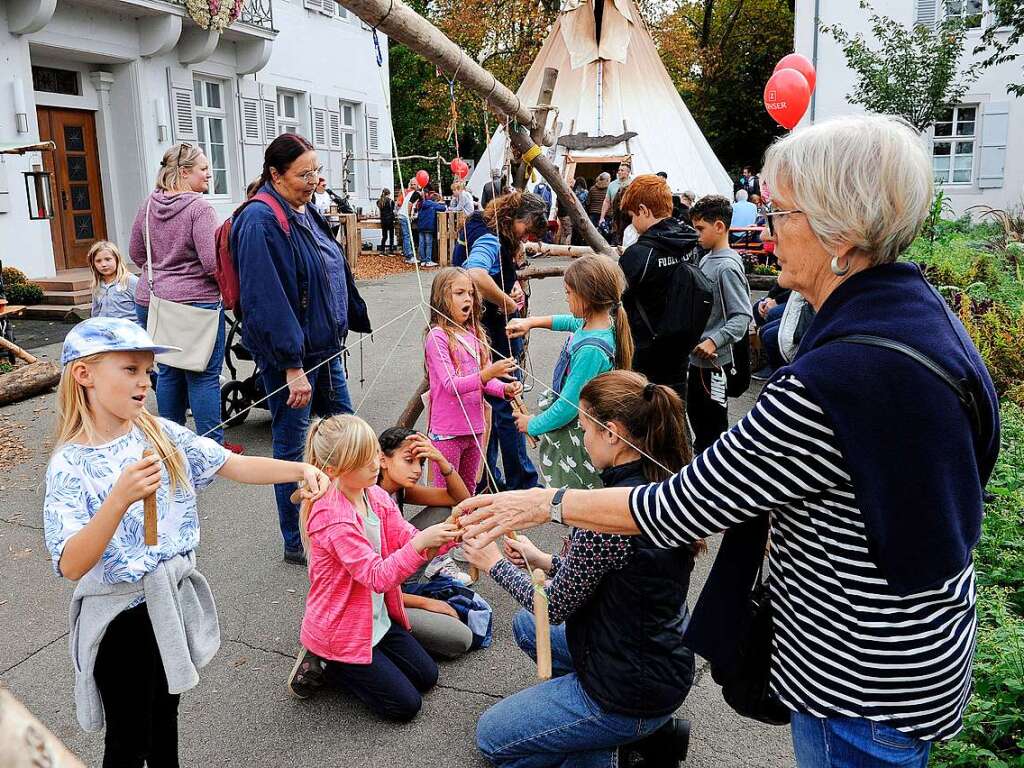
x=460, y=375
x=344, y=571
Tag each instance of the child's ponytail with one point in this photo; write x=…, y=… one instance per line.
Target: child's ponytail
x=599, y=283
x=623, y=338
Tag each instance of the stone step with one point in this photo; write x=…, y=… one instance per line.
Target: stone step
x=63, y=283
x=69, y=312
x=67, y=298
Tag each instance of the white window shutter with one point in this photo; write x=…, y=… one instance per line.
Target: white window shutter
x=250, y=122
x=372, y=134
x=334, y=125
x=318, y=120
x=183, y=114
x=269, y=120
x=313, y=5
x=327, y=7
x=995, y=128
x=927, y=12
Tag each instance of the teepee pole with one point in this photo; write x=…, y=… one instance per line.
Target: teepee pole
x=399, y=22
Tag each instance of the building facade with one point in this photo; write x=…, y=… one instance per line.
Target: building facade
x=977, y=146
x=113, y=83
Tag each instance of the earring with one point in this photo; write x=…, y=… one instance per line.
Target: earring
x=839, y=271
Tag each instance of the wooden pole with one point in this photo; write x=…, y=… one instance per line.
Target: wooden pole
x=17, y=351
x=547, y=90
x=539, y=273
x=149, y=512
x=414, y=407
x=27, y=743
x=399, y=22
x=443, y=256
x=542, y=250
x=28, y=380
x=540, y=617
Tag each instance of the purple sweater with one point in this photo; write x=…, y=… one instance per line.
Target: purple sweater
x=182, y=228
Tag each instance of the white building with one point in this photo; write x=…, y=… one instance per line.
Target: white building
x=978, y=146
x=114, y=82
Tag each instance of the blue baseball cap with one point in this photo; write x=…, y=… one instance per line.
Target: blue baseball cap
x=108, y=334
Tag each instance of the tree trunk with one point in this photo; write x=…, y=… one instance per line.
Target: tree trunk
x=17, y=351
x=25, y=742
x=414, y=407
x=539, y=273
x=547, y=250
x=28, y=380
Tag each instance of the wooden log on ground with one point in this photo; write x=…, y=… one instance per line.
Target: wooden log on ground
x=542, y=250
x=414, y=407
x=27, y=743
x=17, y=351
x=28, y=380
x=539, y=273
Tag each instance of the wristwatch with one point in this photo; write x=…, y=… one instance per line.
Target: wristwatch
x=556, y=505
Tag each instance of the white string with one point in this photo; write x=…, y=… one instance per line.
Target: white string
x=384, y=365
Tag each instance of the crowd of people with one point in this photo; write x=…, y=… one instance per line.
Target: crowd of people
x=867, y=503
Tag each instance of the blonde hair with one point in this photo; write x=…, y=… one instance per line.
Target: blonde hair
x=120, y=276
x=74, y=421
x=336, y=445
x=441, y=315
x=599, y=283
x=865, y=180
x=176, y=159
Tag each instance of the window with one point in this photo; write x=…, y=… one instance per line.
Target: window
x=341, y=11
x=969, y=10
x=348, y=144
x=348, y=112
x=211, y=130
x=287, y=112
x=53, y=80
x=953, y=146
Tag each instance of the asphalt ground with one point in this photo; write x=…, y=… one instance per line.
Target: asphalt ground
x=240, y=714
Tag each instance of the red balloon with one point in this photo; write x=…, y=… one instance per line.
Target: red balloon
x=462, y=170
x=454, y=165
x=801, y=64
x=422, y=178
x=786, y=97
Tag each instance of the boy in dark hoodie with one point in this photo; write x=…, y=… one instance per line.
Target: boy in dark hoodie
x=650, y=265
x=426, y=222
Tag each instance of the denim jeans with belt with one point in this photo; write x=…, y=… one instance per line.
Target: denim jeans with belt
x=555, y=723
x=178, y=390
x=854, y=742
x=288, y=428
x=406, y=226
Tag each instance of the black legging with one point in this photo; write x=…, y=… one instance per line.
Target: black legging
x=387, y=234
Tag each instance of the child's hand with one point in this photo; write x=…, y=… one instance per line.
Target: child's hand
x=513, y=390
x=706, y=350
x=138, y=480
x=518, y=295
x=440, y=606
x=521, y=552
x=316, y=483
x=484, y=557
x=435, y=536
x=522, y=422
x=517, y=328
x=506, y=366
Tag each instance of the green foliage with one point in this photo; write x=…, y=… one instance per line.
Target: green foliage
x=23, y=293
x=914, y=71
x=999, y=40
x=993, y=732
x=5, y=367
x=13, y=276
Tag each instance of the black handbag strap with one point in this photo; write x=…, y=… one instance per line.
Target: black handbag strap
x=961, y=387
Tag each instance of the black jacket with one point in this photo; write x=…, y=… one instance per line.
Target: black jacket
x=626, y=641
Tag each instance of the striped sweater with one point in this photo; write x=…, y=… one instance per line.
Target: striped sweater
x=846, y=644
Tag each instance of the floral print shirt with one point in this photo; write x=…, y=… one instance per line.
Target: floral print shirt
x=79, y=478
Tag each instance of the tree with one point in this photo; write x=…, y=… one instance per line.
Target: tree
x=914, y=73
x=1002, y=36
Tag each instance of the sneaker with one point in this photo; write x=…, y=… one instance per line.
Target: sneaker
x=428, y=264
x=234, y=447
x=764, y=374
x=445, y=566
x=307, y=676
x=665, y=748
x=410, y=260
x=456, y=554
x=295, y=556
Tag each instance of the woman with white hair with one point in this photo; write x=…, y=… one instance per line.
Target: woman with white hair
x=865, y=458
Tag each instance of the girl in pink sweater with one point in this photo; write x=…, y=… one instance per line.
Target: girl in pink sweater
x=355, y=632
x=458, y=365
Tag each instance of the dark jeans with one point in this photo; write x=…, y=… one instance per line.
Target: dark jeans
x=387, y=234
x=391, y=684
x=770, y=341
x=663, y=366
x=288, y=429
x=520, y=473
x=178, y=390
x=142, y=717
x=775, y=313
x=708, y=419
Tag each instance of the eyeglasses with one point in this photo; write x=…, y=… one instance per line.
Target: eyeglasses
x=771, y=221
x=181, y=149
x=313, y=175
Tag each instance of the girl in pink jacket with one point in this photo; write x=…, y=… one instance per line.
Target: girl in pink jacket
x=458, y=365
x=355, y=632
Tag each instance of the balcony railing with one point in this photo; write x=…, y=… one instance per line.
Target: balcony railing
x=258, y=13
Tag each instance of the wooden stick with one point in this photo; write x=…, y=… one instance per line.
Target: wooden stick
x=27, y=380
x=540, y=617
x=27, y=743
x=149, y=512
x=518, y=404
x=414, y=407
x=533, y=272
x=17, y=351
x=541, y=250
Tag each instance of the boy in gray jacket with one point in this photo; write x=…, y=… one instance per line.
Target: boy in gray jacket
x=706, y=402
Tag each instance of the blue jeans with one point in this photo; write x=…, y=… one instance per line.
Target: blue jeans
x=555, y=723
x=854, y=742
x=406, y=227
x=520, y=473
x=288, y=429
x=770, y=341
x=426, y=246
x=775, y=313
x=178, y=390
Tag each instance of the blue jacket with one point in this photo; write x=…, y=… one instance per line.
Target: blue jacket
x=427, y=219
x=292, y=287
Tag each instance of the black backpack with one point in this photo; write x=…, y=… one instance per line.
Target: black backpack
x=690, y=297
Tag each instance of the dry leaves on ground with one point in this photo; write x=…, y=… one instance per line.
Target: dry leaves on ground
x=377, y=266
x=13, y=450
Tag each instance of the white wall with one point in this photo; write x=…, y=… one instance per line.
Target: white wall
x=836, y=81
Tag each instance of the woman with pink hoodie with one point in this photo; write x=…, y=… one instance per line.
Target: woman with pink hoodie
x=182, y=226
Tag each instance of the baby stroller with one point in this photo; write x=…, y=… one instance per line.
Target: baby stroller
x=237, y=395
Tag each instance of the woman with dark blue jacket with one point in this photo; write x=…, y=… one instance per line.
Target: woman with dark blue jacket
x=299, y=301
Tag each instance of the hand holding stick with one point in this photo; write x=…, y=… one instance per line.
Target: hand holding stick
x=540, y=617
x=149, y=513
x=519, y=405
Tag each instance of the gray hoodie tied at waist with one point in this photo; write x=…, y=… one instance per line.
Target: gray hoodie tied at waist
x=184, y=619
x=731, y=314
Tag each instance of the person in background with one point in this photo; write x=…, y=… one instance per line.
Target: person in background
x=744, y=213
x=596, y=197
x=462, y=200
x=406, y=203
x=706, y=399
x=748, y=181
x=113, y=286
x=681, y=210
x=622, y=179
x=386, y=208
x=426, y=222
x=493, y=188
x=321, y=199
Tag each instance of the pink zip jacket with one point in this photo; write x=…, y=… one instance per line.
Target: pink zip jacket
x=462, y=376
x=344, y=571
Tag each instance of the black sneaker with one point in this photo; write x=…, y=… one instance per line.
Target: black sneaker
x=665, y=748
x=307, y=676
x=295, y=556
x=764, y=374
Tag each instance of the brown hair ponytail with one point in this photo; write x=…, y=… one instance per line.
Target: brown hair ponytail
x=599, y=282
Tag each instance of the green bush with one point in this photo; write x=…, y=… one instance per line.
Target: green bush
x=23, y=293
x=13, y=276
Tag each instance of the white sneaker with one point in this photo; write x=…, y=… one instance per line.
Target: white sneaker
x=410, y=260
x=445, y=566
x=429, y=264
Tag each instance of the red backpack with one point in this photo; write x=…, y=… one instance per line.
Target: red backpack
x=226, y=271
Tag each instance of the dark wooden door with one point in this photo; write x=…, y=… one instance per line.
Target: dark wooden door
x=78, y=221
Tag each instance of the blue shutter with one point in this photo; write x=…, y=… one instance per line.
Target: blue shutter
x=995, y=128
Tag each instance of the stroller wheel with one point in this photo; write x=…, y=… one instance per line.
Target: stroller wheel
x=234, y=400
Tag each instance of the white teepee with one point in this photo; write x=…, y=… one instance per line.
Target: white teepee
x=607, y=86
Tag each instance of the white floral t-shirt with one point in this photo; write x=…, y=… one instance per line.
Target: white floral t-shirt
x=79, y=477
